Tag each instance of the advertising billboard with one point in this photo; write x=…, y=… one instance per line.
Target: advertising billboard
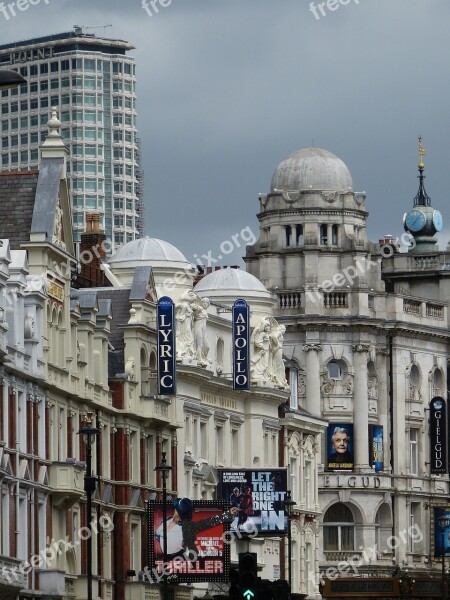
x=340, y=447
x=438, y=437
x=258, y=495
x=166, y=347
x=376, y=449
x=441, y=534
x=197, y=548
x=241, y=347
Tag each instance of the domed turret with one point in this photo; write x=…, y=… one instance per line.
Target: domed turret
x=173, y=273
x=312, y=169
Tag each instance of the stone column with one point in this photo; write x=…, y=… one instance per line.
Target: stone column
x=312, y=378
x=361, y=406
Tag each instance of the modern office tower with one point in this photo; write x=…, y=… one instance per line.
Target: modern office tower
x=91, y=80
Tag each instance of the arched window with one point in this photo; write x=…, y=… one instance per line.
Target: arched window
x=299, y=239
x=438, y=383
x=324, y=235
x=144, y=373
x=338, y=529
x=414, y=382
x=288, y=230
x=219, y=355
x=335, y=369
x=153, y=375
x=334, y=235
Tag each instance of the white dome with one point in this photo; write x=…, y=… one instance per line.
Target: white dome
x=312, y=169
x=149, y=250
x=234, y=281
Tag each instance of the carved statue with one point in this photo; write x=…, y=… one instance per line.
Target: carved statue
x=278, y=368
x=184, y=321
x=57, y=230
x=260, y=344
x=200, y=315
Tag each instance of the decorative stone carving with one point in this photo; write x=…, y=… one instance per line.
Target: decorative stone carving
x=372, y=388
x=130, y=369
x=200, y=316
x=309, y=347
x=57, y=238
x=29, y=328
x=278, y=369
x=260, y=345
x=361, y=348
x=184, y=325
x=267, y=364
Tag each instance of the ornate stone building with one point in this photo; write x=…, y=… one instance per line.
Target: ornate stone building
x=367, y=342
x=79, y=338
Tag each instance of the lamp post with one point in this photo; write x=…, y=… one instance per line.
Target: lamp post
x=288, y=504
x=443, y=523
x=89, y=432
x=164, y=469
x=406, y=582
x=10, y=79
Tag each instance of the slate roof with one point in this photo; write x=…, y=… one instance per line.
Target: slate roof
x=120, y=301
x=17, y=194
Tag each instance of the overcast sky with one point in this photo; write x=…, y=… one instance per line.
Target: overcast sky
x=228, y=88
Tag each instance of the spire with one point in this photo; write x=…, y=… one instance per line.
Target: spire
x=53, y=145
x=422, y=198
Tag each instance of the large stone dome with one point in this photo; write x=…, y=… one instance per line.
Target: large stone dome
x=230, y=280
x=147, y=250
x=312, y=169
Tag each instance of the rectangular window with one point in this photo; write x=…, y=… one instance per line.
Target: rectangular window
x=308, y=484
x=54, y=84
x=65, y=65
x=204, y=440
x=33, y=87
x=54, y=67
x=293, y=383
x=43, y=68
x=235, y=446
x=44, y=85
x=34, y=104
x=133, y=470
x=414, y=451
x=33, y=70
x=219, y=444
x=149, y=459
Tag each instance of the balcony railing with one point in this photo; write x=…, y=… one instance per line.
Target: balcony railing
x=289, y=300
x=335, y=300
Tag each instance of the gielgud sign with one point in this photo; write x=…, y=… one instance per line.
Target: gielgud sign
x=438, y=438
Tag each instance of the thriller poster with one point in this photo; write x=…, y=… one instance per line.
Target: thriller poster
x=197, y=548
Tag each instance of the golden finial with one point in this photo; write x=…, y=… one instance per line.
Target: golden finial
x=422, y=153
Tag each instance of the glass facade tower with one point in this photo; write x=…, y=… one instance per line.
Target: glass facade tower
x=92, y=82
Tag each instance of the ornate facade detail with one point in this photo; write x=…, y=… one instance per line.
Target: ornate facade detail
x=267, y=364
x=310, y=347
x=362, y=348
x=57, y=238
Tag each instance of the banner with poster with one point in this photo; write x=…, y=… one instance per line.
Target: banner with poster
x=165, y=317
x=197, y=548
x=340, y=447
x=439, y=532
x=258, y=495
x=376, y=449
x=438, y=436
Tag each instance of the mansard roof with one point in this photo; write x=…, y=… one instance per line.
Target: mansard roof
x=17, y=195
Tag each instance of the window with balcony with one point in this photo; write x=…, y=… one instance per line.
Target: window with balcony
x=338, y=529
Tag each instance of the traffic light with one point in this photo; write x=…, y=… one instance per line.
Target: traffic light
x=233, y=592
x=248, y=576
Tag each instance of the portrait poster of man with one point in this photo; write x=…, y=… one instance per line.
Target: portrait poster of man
x=258, y=496
x=340, y=447
x=196, y=540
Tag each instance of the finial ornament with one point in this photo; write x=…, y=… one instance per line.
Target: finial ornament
x=422, y=153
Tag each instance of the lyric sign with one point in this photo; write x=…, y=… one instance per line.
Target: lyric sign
x=166, y=347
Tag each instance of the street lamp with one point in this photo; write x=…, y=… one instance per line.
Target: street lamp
x=443, y=523
x=288, y=504
x=406, y=582
x=10, y=79
x=89, y=432
x=164, y=469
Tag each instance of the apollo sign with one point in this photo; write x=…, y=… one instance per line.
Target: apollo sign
x=166, y=347
x=438, y=437
x=241, y=340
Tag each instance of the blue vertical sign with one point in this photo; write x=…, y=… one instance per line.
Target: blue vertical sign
x=438, y=436
x=241, y=345
x=166, y=347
